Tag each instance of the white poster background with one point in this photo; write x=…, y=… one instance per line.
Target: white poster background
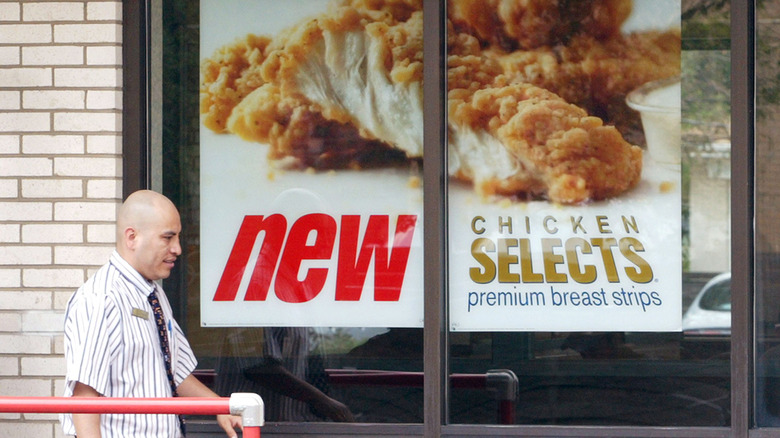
x=237, y=180
x=654, y=206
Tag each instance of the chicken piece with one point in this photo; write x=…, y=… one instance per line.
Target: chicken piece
x=517, y=139
x=228, y=77
x=528, y=24
x=598, y=74
x=348, y=69
x=521, y=140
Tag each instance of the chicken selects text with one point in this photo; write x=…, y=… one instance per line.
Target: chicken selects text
x=507, y=258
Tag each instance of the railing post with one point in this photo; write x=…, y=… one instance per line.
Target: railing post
x=505, y=386
x=251, y=409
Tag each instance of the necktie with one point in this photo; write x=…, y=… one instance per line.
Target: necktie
x=159, y=319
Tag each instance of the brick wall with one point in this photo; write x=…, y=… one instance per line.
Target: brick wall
x=60, y=182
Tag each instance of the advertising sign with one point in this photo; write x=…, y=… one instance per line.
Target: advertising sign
x=563, y=156
x=562, y=221
x=308, y=218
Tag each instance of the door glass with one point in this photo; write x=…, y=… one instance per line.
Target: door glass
x=767, y=244
x=553, y=321
x=292, y=145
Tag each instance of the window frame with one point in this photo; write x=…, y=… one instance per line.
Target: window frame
x=138, y=111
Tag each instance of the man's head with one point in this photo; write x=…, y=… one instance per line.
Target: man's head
x=148, y=228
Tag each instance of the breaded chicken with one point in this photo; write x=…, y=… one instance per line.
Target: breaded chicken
x=520, y=140
x=598, y=74
x=344, y=89
x=528, y=24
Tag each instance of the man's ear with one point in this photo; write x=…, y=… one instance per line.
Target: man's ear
x=131, y=237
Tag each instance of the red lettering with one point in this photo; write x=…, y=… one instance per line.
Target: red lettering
x=389, y=262
x=388, y=271
x=275, y=227
x=287, y=286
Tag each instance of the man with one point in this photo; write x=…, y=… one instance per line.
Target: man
x=114, y=345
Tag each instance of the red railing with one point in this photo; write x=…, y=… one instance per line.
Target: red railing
x=248, y=406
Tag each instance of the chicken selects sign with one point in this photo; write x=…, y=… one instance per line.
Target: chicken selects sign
x=311, y=150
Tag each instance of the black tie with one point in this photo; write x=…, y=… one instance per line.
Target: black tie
x=159, y=319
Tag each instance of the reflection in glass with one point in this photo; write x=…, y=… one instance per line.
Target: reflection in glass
x=371, y=375
x=767, y=243
x=624, y=378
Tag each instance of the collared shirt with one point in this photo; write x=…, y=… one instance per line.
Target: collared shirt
x=112, y=344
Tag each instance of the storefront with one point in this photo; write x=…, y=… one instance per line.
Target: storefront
x=535, y=275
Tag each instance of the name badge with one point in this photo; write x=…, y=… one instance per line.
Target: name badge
x=138, y=313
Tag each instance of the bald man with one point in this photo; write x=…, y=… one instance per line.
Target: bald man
x=114, y=345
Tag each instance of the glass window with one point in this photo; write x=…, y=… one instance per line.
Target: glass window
x=650, y=237
x=767, y=244
x=540, y=305
x=301, y=195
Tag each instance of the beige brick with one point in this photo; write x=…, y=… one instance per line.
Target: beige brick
x=27, y=300
x=22, y=344
x=25, y=77
x=87, y=167
x=104, y=11
x=35, y=322
x=10, y=233
x=9, y=188
x=10, y=12
x=43, y=417
x=87, y=33
x=85, y=211
x=10, y=55
x=104, y=188
x=93, y=76
x=44, y=366
x=88, y=122
x=61, y=278
x=104, y=99
x=25, y=255
x=25, y=33
x=53, y=144
x=9, y=366
x=60, y=301
x=52, y=233
x=59, y=347
x=13, y=166
x=52, y=188
x=81, y=255
x=9, y=144
x=27, y=428
x=53, y=99
x=104, y=144
x=104, y=55
x=24, y=122
x=10, y=322
x=10, y=100
x=53, y=11
x=25, y=211
x=10, y=277
x=101, y=233
x=52, y=55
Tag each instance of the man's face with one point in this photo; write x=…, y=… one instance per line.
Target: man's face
x=157, y=245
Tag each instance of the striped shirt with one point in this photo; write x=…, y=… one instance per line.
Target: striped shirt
x=112, y=344
x=245, y=348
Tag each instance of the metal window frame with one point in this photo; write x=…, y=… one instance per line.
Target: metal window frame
x=136, y=142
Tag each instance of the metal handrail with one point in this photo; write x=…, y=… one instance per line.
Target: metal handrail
x=249, y=406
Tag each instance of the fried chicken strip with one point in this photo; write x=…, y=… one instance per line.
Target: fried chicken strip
x=518, y=139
